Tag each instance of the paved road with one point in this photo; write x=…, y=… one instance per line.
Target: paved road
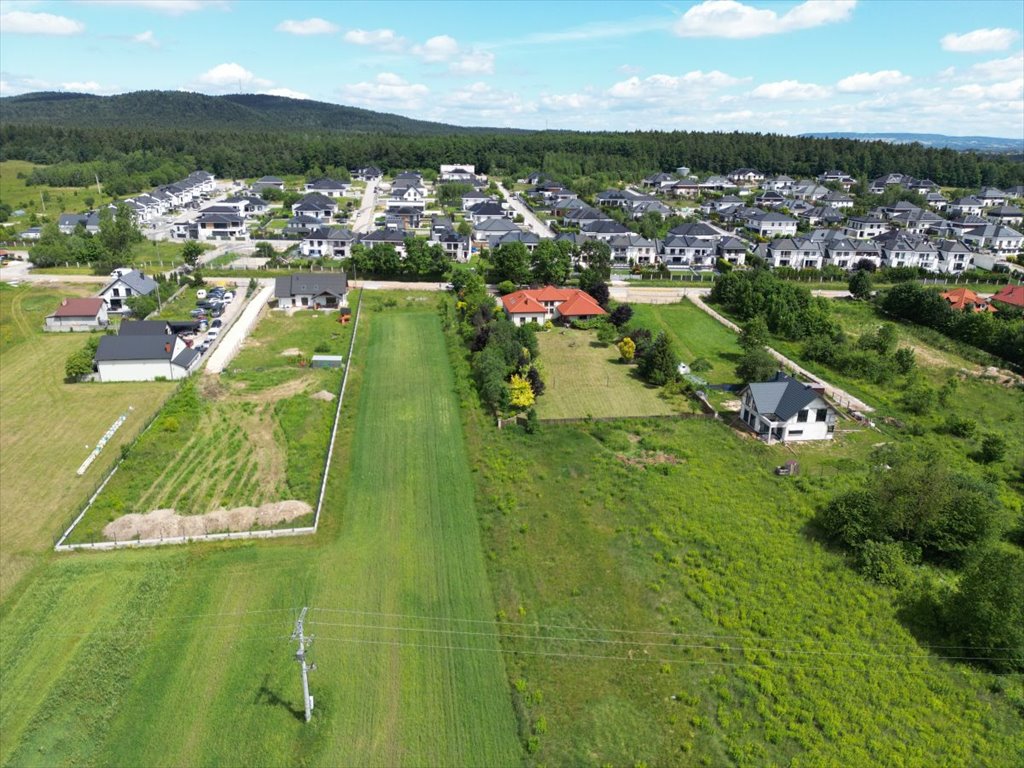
x=840, y=396
x=230, y=341
x=363, y=221
x=535, y=225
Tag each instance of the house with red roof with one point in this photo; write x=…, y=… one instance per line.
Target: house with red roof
x=1011, y=295
x=538, y=305
x=78, y=315
x=966, y=300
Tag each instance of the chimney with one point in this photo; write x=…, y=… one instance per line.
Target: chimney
x=64, y=302
x=167, y=347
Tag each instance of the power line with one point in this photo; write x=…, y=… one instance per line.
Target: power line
x=657, y=633
x=651, y=643
x=599, y=657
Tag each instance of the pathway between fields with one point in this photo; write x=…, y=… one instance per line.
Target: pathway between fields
x=840, y=396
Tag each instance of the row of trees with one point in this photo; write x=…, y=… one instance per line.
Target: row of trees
x=422, y=259
x=1001, y=333
x=788, y=310
x=562, y=154
x=551, y=263
x=110, y=247
x=912, y=508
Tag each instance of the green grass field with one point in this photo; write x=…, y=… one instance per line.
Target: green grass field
x=694, y=334
x=181, y=656
x=15, y=193
x=149, y=255
x=667, y=605
x=49, y=427
x=585, y=379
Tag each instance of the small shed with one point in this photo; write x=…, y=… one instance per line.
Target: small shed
x=326, y=361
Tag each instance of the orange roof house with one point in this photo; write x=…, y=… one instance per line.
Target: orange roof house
x=963, y=299
x=549, y=303
x=1012, y=295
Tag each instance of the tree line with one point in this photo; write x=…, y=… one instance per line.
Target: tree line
x=560, y=154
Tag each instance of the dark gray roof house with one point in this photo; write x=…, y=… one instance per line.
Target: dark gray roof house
x=311, y=289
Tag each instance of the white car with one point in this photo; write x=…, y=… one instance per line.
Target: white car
x=200, y=294
x=212, y=333
x=229, y=296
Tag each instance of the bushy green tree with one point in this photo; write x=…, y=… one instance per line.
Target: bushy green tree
x=756, y=365
x=659, y=363
x=860, y=284
x=511, y=262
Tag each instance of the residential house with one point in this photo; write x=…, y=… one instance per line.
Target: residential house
x=996, y=238
x=411, y=196
x=770, y=224
x=797, y=253
x=327, y=187
x=465, y=174
x=456, y=246
x=967, y=206
x=865, y=226
x=633, y=249
x=732, y=250
x=786, y=410
x=268, y=182
x=78, y=315
x=316, y=206
x=382, y=237
x=659, y=182
x=779, y=183
x=685, y=188
x=837, y=200
x=492, y=228
x=746, y=177
x=368, y=173
x=528, y=239
x=841, y=253
x=302, y=225
x=471, y=199
x=126, y=285
x=549, y=303
x=604, y=230
x=68, y=222
x=329, y=242
x=1008, y=215
x=488, y=210
x=145, y=357
x=844, y=180
x=954, y=256
x=1010, y=295
x=991, y=197
x=318, y=290
x=688, y=252
x=966, y=300
x=403, y=218
x=717, y=183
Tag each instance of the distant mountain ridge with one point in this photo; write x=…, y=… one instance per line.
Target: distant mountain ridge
x=183, y=110
x=937, y=140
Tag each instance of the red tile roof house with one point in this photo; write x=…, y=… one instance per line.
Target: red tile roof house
x=78, y=315
x=965, y=299
x=538, y=305
x=1011, y=295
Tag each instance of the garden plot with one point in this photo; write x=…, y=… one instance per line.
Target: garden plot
x=237, y=452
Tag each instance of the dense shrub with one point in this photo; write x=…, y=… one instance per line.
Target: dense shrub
x=789, y=310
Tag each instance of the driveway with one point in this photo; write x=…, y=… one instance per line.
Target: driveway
x=237, y=328
x=363, y=221
x=839, y=396
x=535, y=225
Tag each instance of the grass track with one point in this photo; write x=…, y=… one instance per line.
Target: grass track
x=149, y=658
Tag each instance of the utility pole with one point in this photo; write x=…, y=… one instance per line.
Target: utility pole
x=300, y=656
x=99, y=187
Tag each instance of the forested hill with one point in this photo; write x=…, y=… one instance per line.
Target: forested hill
x=238, y=112
x=938, y=140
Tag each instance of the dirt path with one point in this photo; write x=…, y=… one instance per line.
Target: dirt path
x=840, y=396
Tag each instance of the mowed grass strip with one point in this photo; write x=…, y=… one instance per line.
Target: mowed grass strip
x=183, y=656
x=694, y=334
x=585, y=379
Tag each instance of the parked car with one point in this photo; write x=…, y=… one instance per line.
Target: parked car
x=217, y=323
x=200, y=294
x=198, y=312
x=229, y=296
x=212, y=333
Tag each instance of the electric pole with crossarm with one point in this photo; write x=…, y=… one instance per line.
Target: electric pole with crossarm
x=300, y=656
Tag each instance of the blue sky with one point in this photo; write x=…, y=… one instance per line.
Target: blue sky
x=790, y=67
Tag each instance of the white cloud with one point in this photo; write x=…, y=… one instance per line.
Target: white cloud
x=1008, y=91
x=568, y=102
x=438, y=48
x=867, y=82
x=26, y=23
x=731, y=19
x=90, y=86
x=999, y=69
x=386, y=91
x=313, y=26
x=474, y=63
x=146, y=38
x=168, y=7
x=655, y=87
x=288, y=93
x=9, y=89
x=384, y=39
x=231, y=74
x=790, y=90
x=980, y=40
x=631, y=69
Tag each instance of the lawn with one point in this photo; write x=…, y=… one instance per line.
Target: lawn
x=664, y=603
x=694, y=334
x=49, y=427
x=583, y=378
x=148, y=255
x=181, y=656
x=253, y=435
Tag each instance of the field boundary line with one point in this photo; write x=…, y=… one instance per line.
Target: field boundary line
x=337, y=415
x=269, y=533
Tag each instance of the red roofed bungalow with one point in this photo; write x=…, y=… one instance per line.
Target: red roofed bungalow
x=78, y=315
x=965, y=299
x=1012, y=295
x=549, y=303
